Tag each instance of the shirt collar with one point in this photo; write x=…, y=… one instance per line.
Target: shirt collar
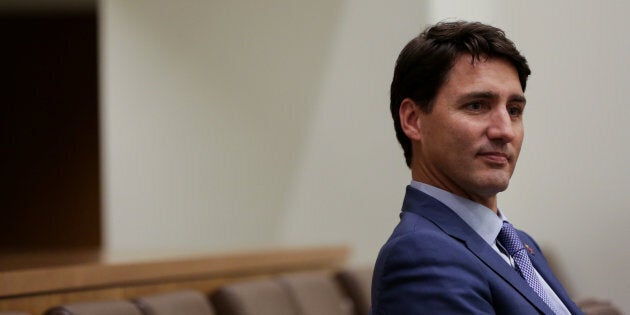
x=480, y=218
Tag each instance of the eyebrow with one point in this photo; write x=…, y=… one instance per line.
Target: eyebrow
x=491, y=95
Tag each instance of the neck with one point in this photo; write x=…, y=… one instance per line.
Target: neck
x=487, y=201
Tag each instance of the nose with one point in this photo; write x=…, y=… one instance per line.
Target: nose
x=501, y=126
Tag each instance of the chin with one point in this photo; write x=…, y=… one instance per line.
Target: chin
x=492, y=186
x=496, y=188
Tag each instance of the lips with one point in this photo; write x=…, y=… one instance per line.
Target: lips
x=494, y=157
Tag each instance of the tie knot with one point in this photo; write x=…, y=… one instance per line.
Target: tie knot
x=509, y=239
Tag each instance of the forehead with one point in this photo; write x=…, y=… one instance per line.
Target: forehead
x=491, y=74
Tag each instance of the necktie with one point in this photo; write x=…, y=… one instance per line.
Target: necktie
x=510, y=241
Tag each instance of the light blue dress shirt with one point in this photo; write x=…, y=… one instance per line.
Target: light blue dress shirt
x=488, y=225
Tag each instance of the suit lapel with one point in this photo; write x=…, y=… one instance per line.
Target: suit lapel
x=447, y=220
x=486, y=254
x=543, y=269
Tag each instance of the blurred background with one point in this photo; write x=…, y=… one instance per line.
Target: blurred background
x=203, y=126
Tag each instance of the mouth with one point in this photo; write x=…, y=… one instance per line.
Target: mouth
x=494, y=157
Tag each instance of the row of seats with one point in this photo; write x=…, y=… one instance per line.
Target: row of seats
x=345, y=293
x=312, y=293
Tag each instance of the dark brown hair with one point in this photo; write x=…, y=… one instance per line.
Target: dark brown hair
x=424, y=63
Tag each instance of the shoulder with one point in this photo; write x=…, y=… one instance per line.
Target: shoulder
x=415, y=237
x=423, y=269
x=417, y=242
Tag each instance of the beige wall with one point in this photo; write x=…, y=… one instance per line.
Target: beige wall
x=570, y=189
x=576, y=176
x=230, y=125
x=234, y=126
x=205, y=108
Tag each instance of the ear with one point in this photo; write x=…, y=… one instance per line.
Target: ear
x=409, y=114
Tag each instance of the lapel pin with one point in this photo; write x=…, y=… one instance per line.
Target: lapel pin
x=529, y=249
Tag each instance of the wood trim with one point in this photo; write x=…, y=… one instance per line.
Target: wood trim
x=36, y=290
x=80, y=277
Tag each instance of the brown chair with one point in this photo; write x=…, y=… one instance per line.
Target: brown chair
x=185, y=302
x=592, y=306
x=357, y=282
x=589, y=305
x=117, y=307
x=259, y=297
x=13, y=313
x=317, y=293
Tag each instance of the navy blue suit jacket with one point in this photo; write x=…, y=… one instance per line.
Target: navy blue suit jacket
x=435, y=263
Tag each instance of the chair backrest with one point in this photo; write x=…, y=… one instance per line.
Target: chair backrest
x=317, y=294
x=258, y=297
x=357, y=282
x=184, y=302
x=592, y=306
x=13, y=313
x=117, y=307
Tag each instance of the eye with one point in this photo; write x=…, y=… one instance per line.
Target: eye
x=474, y=106
x=515, y=111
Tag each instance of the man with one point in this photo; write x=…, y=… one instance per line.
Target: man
x=457, y=99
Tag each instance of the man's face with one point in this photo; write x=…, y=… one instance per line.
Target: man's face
x=470, y=141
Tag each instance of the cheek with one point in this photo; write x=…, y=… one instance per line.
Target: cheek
x=463, y=139
x=454, y=148
x=518, y=140
x=453, y=138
